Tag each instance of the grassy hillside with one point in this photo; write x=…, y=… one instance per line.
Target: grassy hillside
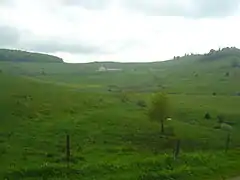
x=110, y=133
x=23, y=56
x=188, y=75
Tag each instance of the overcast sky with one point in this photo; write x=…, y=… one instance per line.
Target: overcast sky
x=119, y=30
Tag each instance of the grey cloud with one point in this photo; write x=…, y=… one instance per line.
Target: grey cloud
x=9, y=36
x=51, y=46
x=151, y=7
x=6, y=2
x=198, y=8
x=3, y=2
x=89, y=4
x=209, y=8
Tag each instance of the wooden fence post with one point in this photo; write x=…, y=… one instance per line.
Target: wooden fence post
x=176, y=150
x=228, y=139
x=68, y=149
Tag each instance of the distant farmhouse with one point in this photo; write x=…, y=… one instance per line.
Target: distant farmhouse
x=104, y=69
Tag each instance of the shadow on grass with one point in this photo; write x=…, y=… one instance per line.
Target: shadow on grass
x=157, y=142
x=153, y=141
x=43, y=172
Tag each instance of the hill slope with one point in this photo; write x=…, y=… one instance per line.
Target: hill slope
x=110, y=133
x=23, y=56
x=110, y=138
x=186, y=75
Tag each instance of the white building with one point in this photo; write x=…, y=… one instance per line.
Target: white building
x=102, y=69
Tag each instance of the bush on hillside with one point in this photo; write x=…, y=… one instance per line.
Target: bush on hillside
x=214, y=93
x=227, y=74
x=218, y=126
x=228, y=52
x=43, y=72
x=113, y=88
x=235, y=63
x=207, y=116
x=141, y=103
x=124, y=97
x=220, y=119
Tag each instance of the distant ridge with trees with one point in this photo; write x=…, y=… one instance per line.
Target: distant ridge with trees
x=230, y=53
x=24, y=56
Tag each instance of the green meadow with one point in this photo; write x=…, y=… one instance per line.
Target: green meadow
x=106, y=116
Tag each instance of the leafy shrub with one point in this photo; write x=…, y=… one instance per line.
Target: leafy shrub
x=141, y=103
x=43, y=72
x=207, y=116
x=220, y=119
x=124, y=97
x=235, y=64
x=218, y=126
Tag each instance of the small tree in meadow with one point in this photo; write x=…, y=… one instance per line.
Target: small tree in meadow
x=159, y=109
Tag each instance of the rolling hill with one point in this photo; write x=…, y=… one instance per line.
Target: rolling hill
x=23, y=56
x=111, y=136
